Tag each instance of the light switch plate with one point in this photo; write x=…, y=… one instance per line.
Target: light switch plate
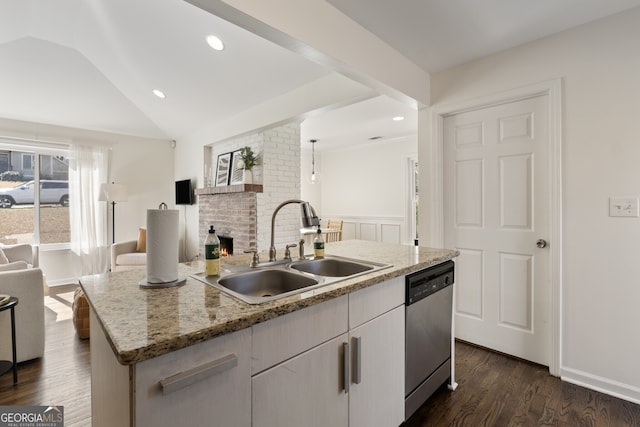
x=623, y=206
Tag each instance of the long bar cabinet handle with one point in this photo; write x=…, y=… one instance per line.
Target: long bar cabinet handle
x=198, y=373
x=357, y=360
x=345, y=367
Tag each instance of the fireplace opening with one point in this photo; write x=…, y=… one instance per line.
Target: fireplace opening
x=226, y=245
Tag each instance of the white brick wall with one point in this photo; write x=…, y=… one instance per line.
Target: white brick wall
x=253, y=140
x=247, y=216
x=281, y=182
x=232, y=215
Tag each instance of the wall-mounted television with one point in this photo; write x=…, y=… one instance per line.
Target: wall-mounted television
x=184, y=192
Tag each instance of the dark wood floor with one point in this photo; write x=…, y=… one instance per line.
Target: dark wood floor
x=497, y=390
x=62, y=376
x=493, y=390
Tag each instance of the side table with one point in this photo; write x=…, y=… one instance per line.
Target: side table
x=5, y=365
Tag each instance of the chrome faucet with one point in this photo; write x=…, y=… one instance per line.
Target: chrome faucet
x=309, y=218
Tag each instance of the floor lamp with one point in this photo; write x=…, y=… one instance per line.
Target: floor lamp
x=113, y=193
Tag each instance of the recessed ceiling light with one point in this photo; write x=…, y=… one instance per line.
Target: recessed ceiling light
x=160, y=94
x=215, y=42
x=398, y=118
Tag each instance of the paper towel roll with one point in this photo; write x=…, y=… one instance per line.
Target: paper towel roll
x=162, y=245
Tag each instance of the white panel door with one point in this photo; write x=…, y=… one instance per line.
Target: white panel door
x=496, y=183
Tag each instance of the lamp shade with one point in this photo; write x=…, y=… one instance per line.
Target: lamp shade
x=113, y=193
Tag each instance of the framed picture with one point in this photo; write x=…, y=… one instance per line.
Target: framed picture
x=222, y=170
x=237, y=169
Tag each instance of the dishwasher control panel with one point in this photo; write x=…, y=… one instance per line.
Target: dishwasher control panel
x=425, y=282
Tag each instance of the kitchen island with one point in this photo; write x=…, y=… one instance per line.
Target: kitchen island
x=145, y=341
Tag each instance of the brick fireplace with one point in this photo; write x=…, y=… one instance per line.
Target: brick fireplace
x=232, y=214
x=243, y=211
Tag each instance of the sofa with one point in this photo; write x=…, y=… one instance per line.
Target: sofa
x=20, y=277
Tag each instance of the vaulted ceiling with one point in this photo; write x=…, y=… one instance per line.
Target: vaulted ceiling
x=93, y=64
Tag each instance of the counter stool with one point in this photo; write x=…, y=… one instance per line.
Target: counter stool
x=5, y=365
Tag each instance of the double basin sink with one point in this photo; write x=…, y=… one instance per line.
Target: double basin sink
x=274, y=280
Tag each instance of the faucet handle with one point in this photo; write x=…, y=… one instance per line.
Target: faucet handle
x=287, y=252
x=255, y=260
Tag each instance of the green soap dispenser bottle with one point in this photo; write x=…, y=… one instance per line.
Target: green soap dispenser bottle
x=318, y=245
x=212, y=253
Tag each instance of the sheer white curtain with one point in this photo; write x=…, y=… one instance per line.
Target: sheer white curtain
x=87, y=170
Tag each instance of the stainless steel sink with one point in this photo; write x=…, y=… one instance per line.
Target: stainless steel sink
x=266, y=283
x=274, y=280
x=331, y=267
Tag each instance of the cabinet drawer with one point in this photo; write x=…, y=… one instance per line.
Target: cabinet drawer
x=375, y=300
x=286, y=336
x=197, y=384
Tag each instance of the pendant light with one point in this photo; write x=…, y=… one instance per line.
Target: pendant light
x=313, y=160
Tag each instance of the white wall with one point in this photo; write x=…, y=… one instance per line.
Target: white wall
x=368, y=184
x=308, y=191
x=144, y=165
x=600, y=67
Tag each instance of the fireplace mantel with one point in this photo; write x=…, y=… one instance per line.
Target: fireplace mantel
x=237, y=188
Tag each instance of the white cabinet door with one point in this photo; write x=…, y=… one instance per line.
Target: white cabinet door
x=376, y=394
x=307, y=390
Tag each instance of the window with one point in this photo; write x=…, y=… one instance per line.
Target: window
x=4, y=161
x=34, y=196
x=27, y=164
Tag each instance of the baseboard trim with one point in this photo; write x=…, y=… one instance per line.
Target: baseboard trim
x=61, y=282
x=601, y=384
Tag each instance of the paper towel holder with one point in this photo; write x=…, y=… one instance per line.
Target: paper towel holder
x=145, y=284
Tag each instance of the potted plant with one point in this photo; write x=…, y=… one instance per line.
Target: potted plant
x=249, y=160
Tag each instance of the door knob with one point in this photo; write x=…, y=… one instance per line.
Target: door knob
x=541, y=243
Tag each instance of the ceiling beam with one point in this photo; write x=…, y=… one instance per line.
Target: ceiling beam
x=318, y=31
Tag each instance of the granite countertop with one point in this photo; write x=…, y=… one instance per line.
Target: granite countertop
x=144, y=323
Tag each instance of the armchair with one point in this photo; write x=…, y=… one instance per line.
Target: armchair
x=20, y=252
x=125, y=257
x=27, y=285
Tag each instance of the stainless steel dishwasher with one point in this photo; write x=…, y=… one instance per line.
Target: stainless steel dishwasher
x=429, y=300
